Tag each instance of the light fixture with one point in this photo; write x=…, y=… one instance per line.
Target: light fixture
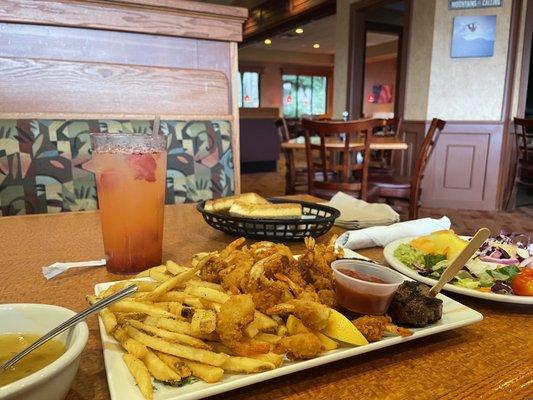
x=316, y=46
x=299, y=31
x=268, y=41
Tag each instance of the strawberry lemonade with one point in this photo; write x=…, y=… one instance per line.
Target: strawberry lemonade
x=130, y=174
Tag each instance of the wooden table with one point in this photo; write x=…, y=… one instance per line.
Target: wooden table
x=492, y=359
x=378, y=143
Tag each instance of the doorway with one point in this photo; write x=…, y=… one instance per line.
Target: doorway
x=381, y=70
x=521, y=195
x=377, y=58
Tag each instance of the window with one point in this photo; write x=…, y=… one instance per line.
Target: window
x=248, y=89
x=304, y=95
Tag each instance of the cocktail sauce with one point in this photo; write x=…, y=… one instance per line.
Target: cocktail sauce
x=360, y=301
x=360, y=275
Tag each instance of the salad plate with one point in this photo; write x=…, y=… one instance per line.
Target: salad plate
x=394, y=262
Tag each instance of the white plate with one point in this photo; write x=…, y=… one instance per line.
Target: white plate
x=388, y=252
x=122, y=386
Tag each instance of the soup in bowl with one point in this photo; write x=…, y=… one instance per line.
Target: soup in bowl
x=47, y=372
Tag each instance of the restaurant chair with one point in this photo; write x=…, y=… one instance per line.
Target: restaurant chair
x=524, y=137
x=409, y=189
x=336, y=168
x=383, y=160
x=295, y=175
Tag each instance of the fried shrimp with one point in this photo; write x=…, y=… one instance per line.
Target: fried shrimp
x=313, y=315
x=300, y=346
x=372, y=327
x=210, y=271
x=235, y=314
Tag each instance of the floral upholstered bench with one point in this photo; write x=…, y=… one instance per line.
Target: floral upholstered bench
x=45, y=165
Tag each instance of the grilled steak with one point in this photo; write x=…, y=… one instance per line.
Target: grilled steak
x=412, y=306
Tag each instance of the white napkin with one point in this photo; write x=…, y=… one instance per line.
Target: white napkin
x=359, y=212
x=59, y=267
x=380, y=236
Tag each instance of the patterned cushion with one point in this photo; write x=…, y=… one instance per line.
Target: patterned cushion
x=44, y=163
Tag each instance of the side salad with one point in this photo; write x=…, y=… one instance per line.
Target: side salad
x=503, y=264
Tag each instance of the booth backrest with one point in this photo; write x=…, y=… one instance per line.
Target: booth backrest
x=45, y=165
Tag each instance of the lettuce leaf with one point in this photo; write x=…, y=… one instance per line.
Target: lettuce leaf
x=432, y=259
x=468, y=283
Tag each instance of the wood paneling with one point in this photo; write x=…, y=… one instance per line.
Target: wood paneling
x=463, y=170
x=46, y=86
x=459, y=163
x=90, y=45
x=164, y=17
x=235, y=131
x=274, y=16
x=413, y=134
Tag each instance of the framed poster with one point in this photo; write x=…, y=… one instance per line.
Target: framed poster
x=473, y=36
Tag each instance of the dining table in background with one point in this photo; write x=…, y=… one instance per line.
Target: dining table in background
x=378, y=143
x=491, y=359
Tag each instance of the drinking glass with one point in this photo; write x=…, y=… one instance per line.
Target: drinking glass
x=130, y=174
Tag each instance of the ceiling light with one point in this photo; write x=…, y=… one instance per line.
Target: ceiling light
x=316, y=46
x=299, y=31
x=268, y=41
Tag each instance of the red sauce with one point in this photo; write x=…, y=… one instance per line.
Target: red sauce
x=360, y=275
x=361, y=302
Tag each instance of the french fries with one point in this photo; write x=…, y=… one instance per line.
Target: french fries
x=109, y=320
x=175, y=364
x=174, y=336
x=246, y=365
x=208, y=294
x=159, y=276
x=134, y=306
x=132, y=346
x=174, y=268
x=205, y=372
x=273, y=358
x=140, y=374
x=203, y=322
x=173, y=328
x=160, y=370
x=188, y=352
x=171, y=283
x=146, y=273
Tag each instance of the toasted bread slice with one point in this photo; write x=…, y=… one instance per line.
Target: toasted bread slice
x=225, y=203
x=266, y=211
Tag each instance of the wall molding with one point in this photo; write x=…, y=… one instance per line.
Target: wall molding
x=463, y=169
x=163, y=17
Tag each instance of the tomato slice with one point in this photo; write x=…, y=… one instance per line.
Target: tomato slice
x=522, y=283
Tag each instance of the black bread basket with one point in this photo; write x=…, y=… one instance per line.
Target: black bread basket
x=317, y=220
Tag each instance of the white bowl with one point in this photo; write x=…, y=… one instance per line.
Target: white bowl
x=53, y=381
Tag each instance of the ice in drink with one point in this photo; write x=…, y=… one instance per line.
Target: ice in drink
x=130, y=174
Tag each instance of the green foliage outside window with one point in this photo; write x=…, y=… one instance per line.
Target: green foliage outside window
x=248, y=84
x=304, y=95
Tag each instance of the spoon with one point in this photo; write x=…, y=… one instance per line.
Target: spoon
x=69, y=323
x=155, y=129
x=460, y=260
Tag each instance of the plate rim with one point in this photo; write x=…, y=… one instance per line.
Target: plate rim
x=250, y=379
x=388, y=253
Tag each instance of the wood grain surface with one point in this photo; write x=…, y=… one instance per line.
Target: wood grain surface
x=165, y=17
x=488, y=360
x=101, y=46
x=43, y=86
